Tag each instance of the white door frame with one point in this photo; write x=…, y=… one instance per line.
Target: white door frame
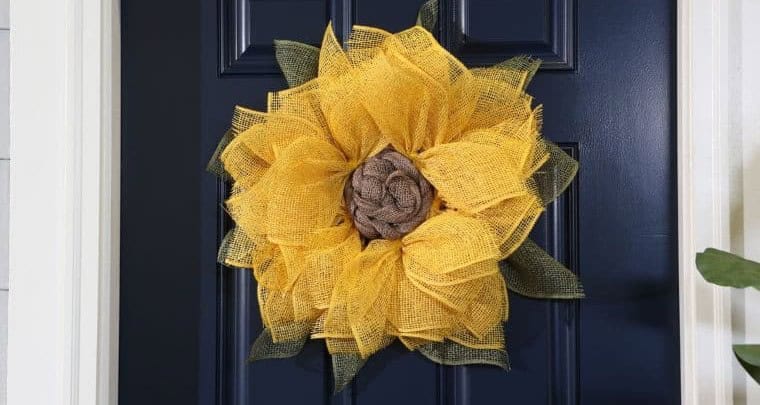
x=64, y=219
x=718, y=194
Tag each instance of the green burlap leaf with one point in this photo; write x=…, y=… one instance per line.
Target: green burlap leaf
x=299, y=62
x=236, y=249
x=265, y=348
x=749, y=358
x=532, y=272
x=215, y=165
x=451, y=353
x=428, y=15
x=345, y=367
x=556, y=174
x=224, y=247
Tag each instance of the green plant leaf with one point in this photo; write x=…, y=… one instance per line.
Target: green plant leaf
x=749, y=357
x=729, y=270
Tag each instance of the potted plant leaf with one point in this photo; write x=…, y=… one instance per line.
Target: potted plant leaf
x=729, y=270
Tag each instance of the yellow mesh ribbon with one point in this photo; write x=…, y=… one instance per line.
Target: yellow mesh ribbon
x=473, y=133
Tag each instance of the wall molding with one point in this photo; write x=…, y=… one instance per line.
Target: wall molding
x=64, y=219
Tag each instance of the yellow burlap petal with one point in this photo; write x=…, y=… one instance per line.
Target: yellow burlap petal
x=520, y=140
x=245, y=251
x=419, y=94
x=306, y=190
x=364, y=43
x=448, y=257
x=285, y=294
x=333, y=61
x=328, y=251
x=253, y=150
x=516, y=72
x=268, y=139
x=471, y=176
x=511, y=221
x=502, y=94
x=487, y=307
x=302, y=102
x=275, y=301
x=247, y=206
x=362, y=298
x=351, y=125
x=406, y=104
x=415, y=313
x=422, y=50
x=242, y=164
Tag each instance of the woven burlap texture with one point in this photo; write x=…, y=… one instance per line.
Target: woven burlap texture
x=472, y=133
x=387, y=197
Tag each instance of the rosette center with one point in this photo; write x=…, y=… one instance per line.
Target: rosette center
x=387, y=196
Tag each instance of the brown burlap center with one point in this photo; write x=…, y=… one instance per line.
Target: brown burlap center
x=387, y=196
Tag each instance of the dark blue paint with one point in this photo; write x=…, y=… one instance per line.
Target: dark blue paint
x=162, y=278
x=607, y=87
x=482, y=32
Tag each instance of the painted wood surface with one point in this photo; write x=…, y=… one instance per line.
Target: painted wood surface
x=608, y=91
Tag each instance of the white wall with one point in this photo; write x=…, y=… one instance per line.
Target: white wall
x=4, y=190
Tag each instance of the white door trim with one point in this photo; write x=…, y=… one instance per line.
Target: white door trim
x=64, y=203
x=711, y=65
x=702, y=202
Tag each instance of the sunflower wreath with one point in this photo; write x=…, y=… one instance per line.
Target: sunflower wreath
x=388, y=195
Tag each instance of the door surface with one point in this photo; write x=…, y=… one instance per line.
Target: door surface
x=607, y=85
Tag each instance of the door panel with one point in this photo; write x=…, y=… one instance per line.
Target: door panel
x=607, y=86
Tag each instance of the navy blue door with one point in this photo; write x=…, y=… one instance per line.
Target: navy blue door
x=607, y=85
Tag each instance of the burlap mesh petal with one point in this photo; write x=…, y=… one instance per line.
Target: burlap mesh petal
x=215, y=165
x=471, y=177
x=403, y=101
x=299, y=62
x=427, y=17
x=345, y=367
x=328, y=252
x=451, y=353
x=264, y=347
x=511, y=221
x=306, y=191
x=502, y=94
x=556, y=174
x=242, y=119
x=532, y=272
x=236, y=249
